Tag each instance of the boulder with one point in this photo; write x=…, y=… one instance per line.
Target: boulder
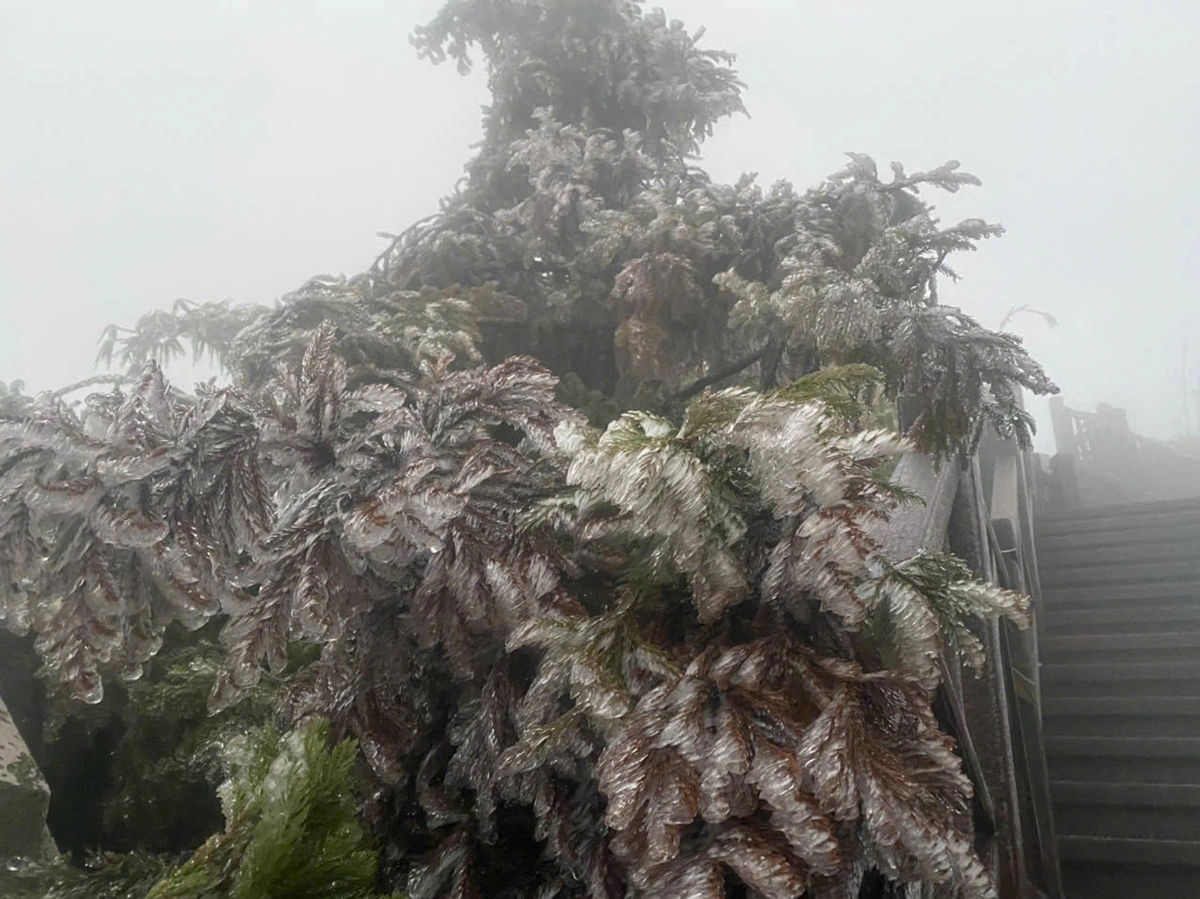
x=24, y=799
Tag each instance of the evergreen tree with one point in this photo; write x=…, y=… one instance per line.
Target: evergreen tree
x=575, y=493
x=584, y=236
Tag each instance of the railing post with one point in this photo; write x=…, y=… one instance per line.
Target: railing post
x=1065, y=492
x=1064, y=430
x=1011, y=533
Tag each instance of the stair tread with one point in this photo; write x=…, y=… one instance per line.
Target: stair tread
x=1123, y=510
x=1078, y=847
x=1049, y=544
x=1062, y=619
x=1142, y=706
x=1146, y=640
x=1060, y=672
x=1119, y=641
x=1098, y=527
x=1117, y=508
x=1090, y=558
x=1127, y=572
x=1184, y=590
x=1128, y=747
x=1126, y=793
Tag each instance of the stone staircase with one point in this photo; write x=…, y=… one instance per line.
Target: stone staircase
x=1120, y=685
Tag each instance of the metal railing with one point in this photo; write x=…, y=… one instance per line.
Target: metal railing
x=1100, y=460
x=983, y=510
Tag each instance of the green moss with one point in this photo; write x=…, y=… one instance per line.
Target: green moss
x=291, y=828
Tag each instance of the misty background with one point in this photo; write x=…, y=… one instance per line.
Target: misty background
x=212, y=150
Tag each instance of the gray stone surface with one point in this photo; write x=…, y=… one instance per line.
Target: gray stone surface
x=24, y=799
x=913, y=528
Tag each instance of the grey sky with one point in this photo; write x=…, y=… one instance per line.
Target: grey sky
x=154, y=150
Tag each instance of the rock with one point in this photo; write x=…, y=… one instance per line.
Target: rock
x=24, y=798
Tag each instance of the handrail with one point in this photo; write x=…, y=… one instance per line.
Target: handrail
x=1112, y=463
x=916, y=528
x=1083, y=425
x=911, y=529
x=998, y=718
x=1014, y=497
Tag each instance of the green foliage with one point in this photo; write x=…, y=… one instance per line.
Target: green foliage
x=931, y=600
x=291, y=829
x=103, y=876
x=168, y=761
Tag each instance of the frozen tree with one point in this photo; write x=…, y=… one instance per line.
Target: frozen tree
x=574, y=491
x=584, y=235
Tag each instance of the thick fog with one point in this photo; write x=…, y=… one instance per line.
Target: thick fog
x=152, y=151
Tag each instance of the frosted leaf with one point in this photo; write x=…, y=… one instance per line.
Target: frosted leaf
x=930, y=599
x=310, y=601
x=825, y=558
x=687, y=878
x=378, y=398
x=668, y=801
x=252, y=641
x=900, y=782
x=445, y=864
x=789, y=454
x=545, y=745
x=127, y=529
x=180, y=583
x=873, y=446
x=75, y=497
x=762, y=860
x=569, y=437
x=482, y=729
x=119, y=469
x=670, y=498
x=779, y=779
x=525, y=592
x=74, y=642
x=86, y=685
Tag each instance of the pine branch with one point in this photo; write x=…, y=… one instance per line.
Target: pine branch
x=701, y=384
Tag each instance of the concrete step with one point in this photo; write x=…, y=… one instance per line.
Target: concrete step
x=1127, y=794
x=1175, y=569
x=1124, y=552
x=1125, y=747
x=1092, y=672
x=1080, y=595
x=1144, y=639
x=1101, y=793
x=1108, y=880
x=1179, y=617
x=1094, y=520
x=1119, y=642
x=1151, y=811
x=1163, y=648
x=1111, y=759
x=1051, y=544
x=1102, y=769
x=1137, y=821
x=1124, y=706
x=1138, y=679
x=1143, y=852
x=1080, y=723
